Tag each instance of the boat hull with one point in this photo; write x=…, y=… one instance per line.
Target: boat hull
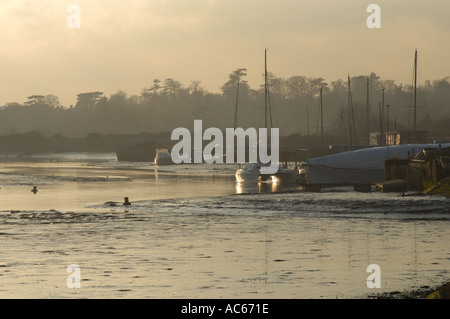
x=343, y=176
x=365, y=166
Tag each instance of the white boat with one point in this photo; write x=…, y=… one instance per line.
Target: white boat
x=163, y=157
x=251, y=173
x=248, y=174
x=358, y=166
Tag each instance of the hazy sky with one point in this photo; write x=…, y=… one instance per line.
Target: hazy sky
x=124, y=45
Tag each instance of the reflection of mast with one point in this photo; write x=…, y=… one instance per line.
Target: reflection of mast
x=266, y=257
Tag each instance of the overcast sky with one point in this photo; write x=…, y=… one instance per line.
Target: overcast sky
x=124, y=45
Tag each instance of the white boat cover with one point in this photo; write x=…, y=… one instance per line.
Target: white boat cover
x=370, y=158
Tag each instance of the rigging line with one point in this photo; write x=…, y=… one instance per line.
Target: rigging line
x=237, y=101
x=411, y=97
x=270, y=106
x=418, y=89
x=349, y=114
x=415, y=92
x=307, y=120
x=321, y=113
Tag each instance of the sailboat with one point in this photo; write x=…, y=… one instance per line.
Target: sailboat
x=252, y=171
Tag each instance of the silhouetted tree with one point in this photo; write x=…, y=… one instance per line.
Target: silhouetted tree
x=166, y=105
x=88, y=99
x=171, y=88
x=35, y=99
x=230, y=87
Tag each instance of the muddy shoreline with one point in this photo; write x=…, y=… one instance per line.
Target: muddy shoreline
x=425, y=292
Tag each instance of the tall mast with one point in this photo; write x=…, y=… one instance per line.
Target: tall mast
x=265, y=87
x=349, y=116
x=368, y=114
x=415, y=93
x=382, y=118
x=269, y=105
x=237, y=101
x=342, y=130
x=321, y=113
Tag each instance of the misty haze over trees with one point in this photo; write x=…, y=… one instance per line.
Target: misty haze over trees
x=167, y=104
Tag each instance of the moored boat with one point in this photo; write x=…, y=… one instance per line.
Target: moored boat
x=359, y=166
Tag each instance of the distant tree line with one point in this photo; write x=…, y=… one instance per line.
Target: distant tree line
x=294, y=103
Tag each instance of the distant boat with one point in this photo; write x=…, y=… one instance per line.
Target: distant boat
x=163, y=157
x=144, y=152
x=364, y=166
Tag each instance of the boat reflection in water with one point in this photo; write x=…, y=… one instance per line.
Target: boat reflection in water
x=273, y=186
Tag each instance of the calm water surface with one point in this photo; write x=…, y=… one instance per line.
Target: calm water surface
x=192, y=232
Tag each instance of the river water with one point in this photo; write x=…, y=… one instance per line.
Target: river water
x=192, y=232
